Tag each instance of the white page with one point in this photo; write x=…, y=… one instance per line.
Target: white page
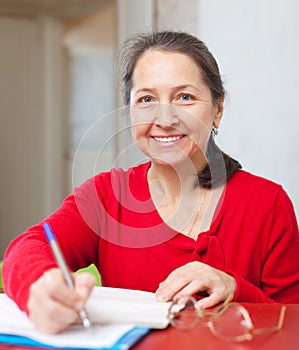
x=14, y=321
x=118, y=307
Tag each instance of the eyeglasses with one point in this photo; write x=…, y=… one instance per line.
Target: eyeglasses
x=229, y=321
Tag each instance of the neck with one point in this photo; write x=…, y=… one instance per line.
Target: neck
x=171, y=183
x=179, y=199
x=186, y=170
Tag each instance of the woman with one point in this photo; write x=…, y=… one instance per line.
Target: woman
x=187, y=222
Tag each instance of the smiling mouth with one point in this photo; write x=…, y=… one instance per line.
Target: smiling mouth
x=168, y=139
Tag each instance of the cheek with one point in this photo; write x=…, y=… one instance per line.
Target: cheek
x=205, y=118
x=205, y=111
x=201, y=121
x=138, y=132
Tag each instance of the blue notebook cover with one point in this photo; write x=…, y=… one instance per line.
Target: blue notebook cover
x=124, y=343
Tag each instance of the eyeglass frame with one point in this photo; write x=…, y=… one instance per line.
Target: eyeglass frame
x=249, y=332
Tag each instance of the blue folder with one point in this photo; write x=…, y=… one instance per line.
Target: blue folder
x=124, y=343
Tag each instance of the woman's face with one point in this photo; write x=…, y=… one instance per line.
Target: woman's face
x=171, y=108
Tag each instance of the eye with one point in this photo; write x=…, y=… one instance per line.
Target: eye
x=185, y=97
x=145, y=99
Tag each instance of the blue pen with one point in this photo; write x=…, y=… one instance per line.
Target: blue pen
x=64, y=268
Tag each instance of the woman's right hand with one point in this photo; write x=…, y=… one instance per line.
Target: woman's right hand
x=52, y=305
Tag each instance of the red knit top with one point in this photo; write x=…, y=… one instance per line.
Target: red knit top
x=111, y=221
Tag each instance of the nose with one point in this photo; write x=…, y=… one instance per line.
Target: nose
x=165, y=115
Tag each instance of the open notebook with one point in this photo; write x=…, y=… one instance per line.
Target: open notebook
x=120, y=317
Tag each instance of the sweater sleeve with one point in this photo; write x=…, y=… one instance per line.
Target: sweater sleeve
x=280, y=269
x=29, y=255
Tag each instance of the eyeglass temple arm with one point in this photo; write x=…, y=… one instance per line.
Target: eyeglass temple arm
x=258, y=331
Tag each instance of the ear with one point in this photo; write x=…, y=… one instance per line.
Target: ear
x=219, y=113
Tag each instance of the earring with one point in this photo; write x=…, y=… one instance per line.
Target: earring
x=214, y=130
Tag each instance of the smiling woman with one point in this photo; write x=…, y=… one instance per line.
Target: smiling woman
x=189, y=221
x=186, y=133
x=140, y=63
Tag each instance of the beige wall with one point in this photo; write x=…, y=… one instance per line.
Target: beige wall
x=30, y=133
x=177, y=15
x=33, y=99
x=90, y=43
x=33, y=110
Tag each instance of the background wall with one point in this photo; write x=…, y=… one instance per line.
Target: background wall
x=56, y=68
x=30, y=133
x=90, y=43
x=34, y=114
x=257, y=47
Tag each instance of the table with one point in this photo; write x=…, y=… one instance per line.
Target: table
x=200, y=338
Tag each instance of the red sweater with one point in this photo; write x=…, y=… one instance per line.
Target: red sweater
x=111, y=221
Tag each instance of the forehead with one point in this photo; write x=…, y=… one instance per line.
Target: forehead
x=162, y=55
x=160, y=64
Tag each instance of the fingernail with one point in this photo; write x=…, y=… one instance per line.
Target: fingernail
x=200, y=305
x=180, y=300
x=161, y=297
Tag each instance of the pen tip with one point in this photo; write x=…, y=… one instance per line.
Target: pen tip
x=84, y=318
x=86, y=323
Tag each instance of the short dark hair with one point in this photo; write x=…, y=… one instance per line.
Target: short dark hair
x=175, y=41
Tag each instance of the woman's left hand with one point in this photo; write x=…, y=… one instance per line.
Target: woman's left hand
x=196, y=277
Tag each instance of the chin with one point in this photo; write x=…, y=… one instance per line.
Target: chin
x=173, y=161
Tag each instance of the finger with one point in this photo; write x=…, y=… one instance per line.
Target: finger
x=171, y=286
x=195, y=288
x=84, y=283
x=54, y=317
x=213, y=299
x=179, y=279
x=46, y=313
x=57, y=289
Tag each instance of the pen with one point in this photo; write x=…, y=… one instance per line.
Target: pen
x=64, y=268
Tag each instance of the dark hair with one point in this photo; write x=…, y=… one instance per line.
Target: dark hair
x=174, y=41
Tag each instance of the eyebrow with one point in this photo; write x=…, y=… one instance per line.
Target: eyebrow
x=175, y=88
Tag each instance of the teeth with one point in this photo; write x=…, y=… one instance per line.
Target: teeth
x=168, y=139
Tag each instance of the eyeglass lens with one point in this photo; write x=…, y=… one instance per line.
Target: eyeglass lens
x=183, y=314
x=231, y=323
